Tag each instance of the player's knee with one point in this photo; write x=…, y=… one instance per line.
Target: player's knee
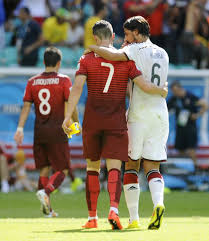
x=93, y=165
x=65, y=172
x=113, y=164
x=132, y=165
x=44, y=172
x=150, y=165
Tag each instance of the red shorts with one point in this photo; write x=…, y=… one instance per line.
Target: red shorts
x=56, y=155
x=108, y=144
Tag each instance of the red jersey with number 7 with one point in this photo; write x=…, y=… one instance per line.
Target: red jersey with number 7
x=48, y=92
x=107, y=84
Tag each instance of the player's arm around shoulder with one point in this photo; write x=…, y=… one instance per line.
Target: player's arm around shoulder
x=109, y=53
x=150, y=88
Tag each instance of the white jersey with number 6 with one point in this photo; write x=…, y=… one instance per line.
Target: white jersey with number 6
x=152, y=61
x=148, y=114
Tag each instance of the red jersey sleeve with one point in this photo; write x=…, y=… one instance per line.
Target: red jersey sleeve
x=28, y=92
x=67, y=86
x=82, y=66
x=133, y=71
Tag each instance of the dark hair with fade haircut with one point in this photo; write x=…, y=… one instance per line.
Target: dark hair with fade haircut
x=103, y=29
x=52, y=56
x=138, y=23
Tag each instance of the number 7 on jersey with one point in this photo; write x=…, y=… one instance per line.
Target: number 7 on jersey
x=109, y=78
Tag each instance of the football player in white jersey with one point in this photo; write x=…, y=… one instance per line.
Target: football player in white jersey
x=148, y=123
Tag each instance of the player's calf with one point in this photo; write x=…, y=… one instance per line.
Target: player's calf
x=92, y=194
x=114, y=190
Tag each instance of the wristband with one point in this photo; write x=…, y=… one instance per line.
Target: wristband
x=20, y=129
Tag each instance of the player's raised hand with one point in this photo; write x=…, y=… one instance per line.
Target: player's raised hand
x=18, y=137
x=165, y=90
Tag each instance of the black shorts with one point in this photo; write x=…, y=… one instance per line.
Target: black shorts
x=186, y=138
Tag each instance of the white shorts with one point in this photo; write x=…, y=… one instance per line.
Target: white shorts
x=147, y=139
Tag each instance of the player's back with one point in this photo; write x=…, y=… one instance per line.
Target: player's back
x=48, y=92
x=107, y=84
x=153, y=63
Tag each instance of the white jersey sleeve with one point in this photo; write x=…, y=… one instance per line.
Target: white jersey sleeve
x=130, y=51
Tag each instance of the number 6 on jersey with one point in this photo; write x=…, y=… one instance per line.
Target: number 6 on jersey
x=109, y=79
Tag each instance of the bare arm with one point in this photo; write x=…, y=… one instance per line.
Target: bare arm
x=109, y=53
x=150, y=88
x=75, y=115
x=18, y=137
x=73, y=100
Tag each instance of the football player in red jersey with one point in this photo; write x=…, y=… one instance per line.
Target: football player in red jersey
x=49, y=91
x=104, y=124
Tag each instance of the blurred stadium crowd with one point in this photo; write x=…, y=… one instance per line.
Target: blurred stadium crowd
x=27, y=26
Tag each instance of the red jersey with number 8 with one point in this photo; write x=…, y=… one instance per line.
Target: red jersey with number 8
x=107, y=84
x=48, y=92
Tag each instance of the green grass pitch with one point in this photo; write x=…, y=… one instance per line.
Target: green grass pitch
x=186, y=218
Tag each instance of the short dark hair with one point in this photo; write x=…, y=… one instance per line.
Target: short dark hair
x=26, y=10
x=175, y=83
x=103, y=29
x=52, y=56
x=99, y=6
x=138, y=23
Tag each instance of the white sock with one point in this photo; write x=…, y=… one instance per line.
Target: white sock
x=132, y=192
x=114, y=209
x=156, y=186
x=91, y=218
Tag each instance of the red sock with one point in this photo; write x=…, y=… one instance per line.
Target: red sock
x=114, y=187
x=92, y=192
x=54, y=182
x=42, y=182
x=153, y=174
x=129, y=178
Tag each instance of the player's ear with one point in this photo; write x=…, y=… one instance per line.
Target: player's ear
x=97, y=39
x=58, y=64
x=136, y=32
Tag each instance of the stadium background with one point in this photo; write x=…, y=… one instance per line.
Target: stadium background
x=186, y=58
x=187, y=213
